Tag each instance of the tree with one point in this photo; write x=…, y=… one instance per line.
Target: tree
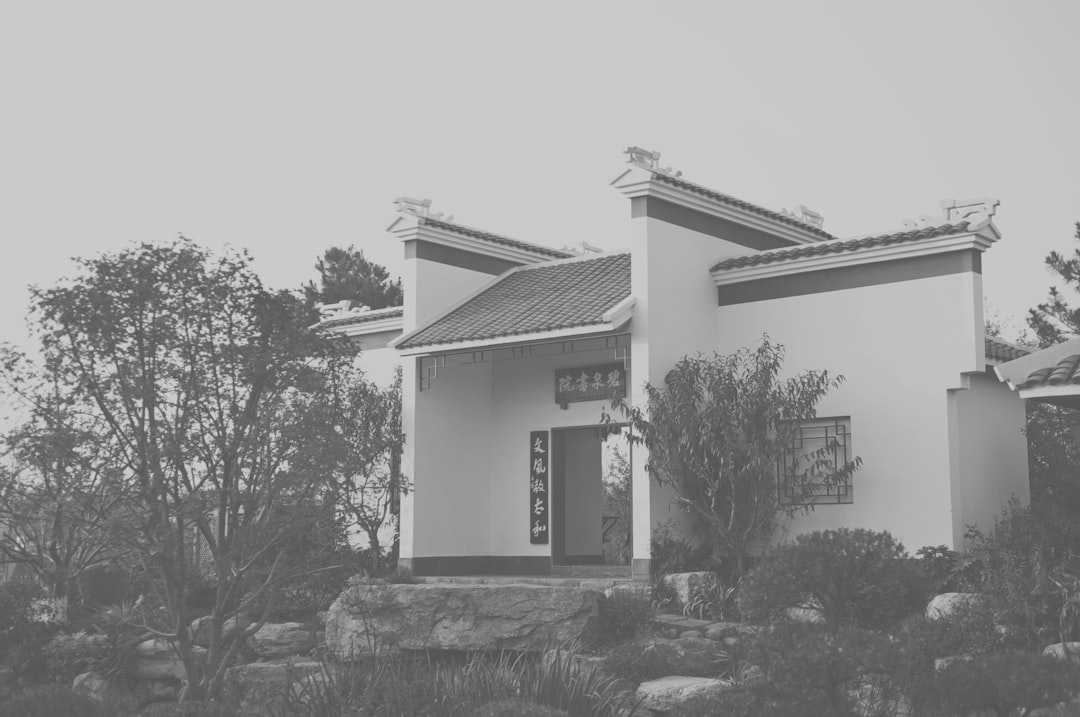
x=715, y=433
x=359, y=450
x=346, y=274
x=60, y=502
x=1053, y=431
x=206, y=383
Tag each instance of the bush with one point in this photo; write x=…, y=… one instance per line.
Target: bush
x=67, y=656
x=1006, y=682
x=27, y=622
x=805, y=659
x=52, y=701
x=757, y=701
x=621, y=616
x=671, y=553
x=1029, y=572
x=858, y=577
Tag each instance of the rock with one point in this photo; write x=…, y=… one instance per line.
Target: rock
x=1064, y=651
x=457, y=617
x=730, y=641
x=719, y=630
x=946, y=604
x=666, y=693
x=804, y=614
x=156, y=659
x=286, y=639
x=260, y=688
x=691, y=633
x=91, y=684
x=200, y=630
x=687, y=585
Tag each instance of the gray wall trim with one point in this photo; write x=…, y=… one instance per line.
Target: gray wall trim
x=706, y=224
x=417, y=249
x=450, y=565
x=641, y=568
x=850, y=277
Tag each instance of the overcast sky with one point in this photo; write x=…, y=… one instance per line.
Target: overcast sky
x=288, y=128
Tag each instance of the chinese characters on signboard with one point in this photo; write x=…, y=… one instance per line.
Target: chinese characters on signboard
x=590, y=383
x=538, y=487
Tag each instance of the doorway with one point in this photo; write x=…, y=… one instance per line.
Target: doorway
x=591, y=500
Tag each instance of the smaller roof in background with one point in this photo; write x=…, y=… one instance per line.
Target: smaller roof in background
x=1002, y=351
x=533, y=299
x=352, y=318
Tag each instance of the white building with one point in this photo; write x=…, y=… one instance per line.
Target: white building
x=492, y=325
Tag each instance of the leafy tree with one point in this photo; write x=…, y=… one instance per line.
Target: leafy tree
x=59, y=500
x=715, y=433
x=359, y=450
x=208, y=385
x=346, y=274
x=1054, y=432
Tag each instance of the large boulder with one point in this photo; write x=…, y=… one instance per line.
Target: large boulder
x=285, y=639
x=687, y=585
x=686, y=655
x=157, y=659
x=1064, y=651
x=200, y=630
x=667, y=693
x=91, y=684
x=946, y=605
x=260, y=688
x=456, y=617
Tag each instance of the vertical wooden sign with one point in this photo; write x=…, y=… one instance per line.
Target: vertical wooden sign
x=538, y=487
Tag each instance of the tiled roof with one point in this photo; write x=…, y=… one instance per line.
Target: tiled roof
x=495, y=238
x=1066, y=371
x=728, y=199
x=836, y=247
x=365, y=317
x=532, y=299
x=998, y=350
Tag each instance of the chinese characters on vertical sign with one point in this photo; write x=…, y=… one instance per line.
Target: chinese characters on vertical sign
x=590, y=383
x=538, y=487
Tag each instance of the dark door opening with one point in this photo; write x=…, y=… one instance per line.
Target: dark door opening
x=591, y=500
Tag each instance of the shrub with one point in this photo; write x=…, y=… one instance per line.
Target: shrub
x=559, y=679
x=1006, y=682
x=69, y=655
x=27, y=622
x=51, y=701
x=621, y=616
x=672, y=553
x=938, y=563
x=805, y=659
x=857, y=576
x=757, y=701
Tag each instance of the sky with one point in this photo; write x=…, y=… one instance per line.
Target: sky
x=287, y=128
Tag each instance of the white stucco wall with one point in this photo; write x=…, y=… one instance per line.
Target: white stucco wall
x=900, y=346
x=379, y=362
x=989, y=453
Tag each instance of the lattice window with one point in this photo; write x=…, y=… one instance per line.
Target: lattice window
x=811, y=470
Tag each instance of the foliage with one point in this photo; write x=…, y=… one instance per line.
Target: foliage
x=51, y=701
x=1054, y=320
x=617, y=545
x=1007, y=682
x=643, y=660
x=454, y=686
x=360, y=453
x=1028, y=571
x=518, y=708
x=858, y=577
x=673, y=553
x=208, y=388
x=805, y=661
x=715, y=433
x=27, y=622
x=621, y=616
x=344, y=274
x=715, y=601
x=69, y=655
x=938, y=563
x=59, y=502
x=757, y=701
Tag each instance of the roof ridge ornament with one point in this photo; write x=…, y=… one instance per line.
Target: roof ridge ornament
x=806, y=216
x=419, y=208
x=582, y=249
x=648, y=160
x=972, y=211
